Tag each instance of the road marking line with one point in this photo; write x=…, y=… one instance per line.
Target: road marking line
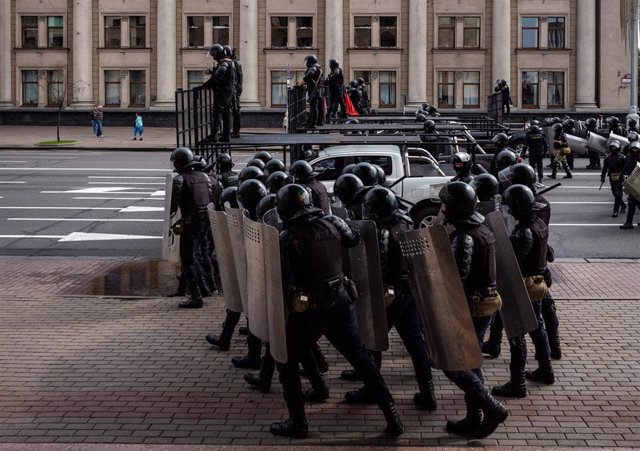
x=158, y=193
x=585, y=225
x=117, y=198
x=94, y=192
x=128, y=183
x=85, y=220
x=581, y=203
x=48, y=237
x=81, y=236
x=60, y=208
x=13, y=161
x=136, y=209
x=12, y=183
x=122, y=177
x=87, y=169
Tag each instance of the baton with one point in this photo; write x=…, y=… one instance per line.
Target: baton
x=396, y=182
x=554, y=186
x=600, y=186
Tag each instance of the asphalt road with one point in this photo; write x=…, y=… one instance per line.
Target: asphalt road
x=111, y=204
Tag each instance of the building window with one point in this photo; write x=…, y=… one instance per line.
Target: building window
x=279, y=86
x=195, y=31
x=279, y=31
x=530, y=32
x=471, y=32
x=29, y=32
x=137, y=88
x=446, y=89
x=362, y=31
x=195, y=78
x=30, y=87
x=556, y=32
x=388, y=31
x=112, y=87
x=471, y=89
x=446, y=32
x=555, y=90
x=112, y=27
x=137, y=31
x=221, y=30
x=55, y=88
x=55, y=33
x=387, y=89
x=304, y=32
x=530, y=89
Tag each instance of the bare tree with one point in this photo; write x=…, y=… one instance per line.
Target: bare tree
x=60, y=91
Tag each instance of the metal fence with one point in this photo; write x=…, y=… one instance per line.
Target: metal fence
x=296, y=108
x=494, y=107
x=194, y=117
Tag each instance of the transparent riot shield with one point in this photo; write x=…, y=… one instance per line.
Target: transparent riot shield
x=224, y=255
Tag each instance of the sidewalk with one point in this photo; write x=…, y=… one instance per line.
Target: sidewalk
x=77, y=368
x=115, y=138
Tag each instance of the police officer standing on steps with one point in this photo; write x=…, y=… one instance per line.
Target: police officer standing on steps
x=335, y=81
x=316, y=291
x=313, y=79
x=302, y=173
x=613, y=167
x=235, y=103
x=537, y=147
x=381, y=206
x=190, y=192
x=364, y=95
x=473, y=247
x=503, y=88
x=223, y=83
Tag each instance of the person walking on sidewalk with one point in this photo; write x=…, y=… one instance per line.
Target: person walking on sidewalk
x=98, y=116
x=138, y=127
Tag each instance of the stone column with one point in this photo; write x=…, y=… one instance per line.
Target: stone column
x=417, y=52
x=5, y=54
x=501, y=41
x=166, y=55
x=333, y=27
x=586, y=55
x=249, y=52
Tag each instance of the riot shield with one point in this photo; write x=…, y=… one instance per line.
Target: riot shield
x=578, y=145
x=517, y=312
x=271, y=218
x=548, y=136
x=366, y=272
x=224, y=255
x=488, y=206
x=438, y=291
x=276, y=312
x=256, y=285
x=170, y=241
x=597, y=144
x=624, y=142
x=236, y=234
x=340, y=212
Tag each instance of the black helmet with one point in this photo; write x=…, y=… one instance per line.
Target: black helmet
x=181, y=157
x=485, y=185
x=264, y=156
x=249, y=194
x=301, y=171
x=461, y=162
x=229, y=195
x=310, y=60
x=292, y=201
x=424, y=106
x=501, y=139
x=535, y=129
x=535, y=122
x=549, y=121
x=632, y=136
x=267, y=203
x=612, y=120
x=614, y=145
x=348, y=169
x=382, y=176
x=429, y=126
x=273, y=166
x=333, y=64
x=250, y=172
x=421, y=117
x=216, y=51
x=433, y=111
x=277, y=180
x=379, y=203
x=520, y=201
x=523, y=174
x=505, y=159
x=557, y=127
x=366, y=172
x=360, y=81
x=591, y=122
x=227, y=51
x=352, y=120
x=346, y=188
x=568, y=123
x=633, y=122
x=634, y=147
x=199, y=162
x=459, y=200
x=556, y=120
x=224, y=162
x=257, y=163
x=353, y=84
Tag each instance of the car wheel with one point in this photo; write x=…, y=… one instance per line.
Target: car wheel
x=426, y=216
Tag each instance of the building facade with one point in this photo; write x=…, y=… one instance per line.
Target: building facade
x=555, y=54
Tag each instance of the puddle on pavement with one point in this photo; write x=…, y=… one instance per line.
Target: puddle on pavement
x=150, y=278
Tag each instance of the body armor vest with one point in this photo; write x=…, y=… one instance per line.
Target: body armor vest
x=483, y=263
x=535, y=263
x=195, y=193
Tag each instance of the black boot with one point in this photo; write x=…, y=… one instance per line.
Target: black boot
x=394, y=427
x=515, y=388
x=262, y=380
x=252, y=359
x=182, y=287
x=243, y=330
x=425, y=399
x=551, y=323
x=195, y=300
x=318, y=391
x=296, y=425
x=567, y=171
x=469, y=424
x=321, y=359
x=493, y=414
x=223, y=341
x=351, y=375
x=491, y=347
x=291, y=427
x=359, y=396
x=544, y=374
x=258, y=382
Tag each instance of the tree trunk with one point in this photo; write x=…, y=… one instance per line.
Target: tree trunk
x=59, y=121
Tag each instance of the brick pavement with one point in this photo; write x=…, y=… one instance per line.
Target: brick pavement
x=84, y=369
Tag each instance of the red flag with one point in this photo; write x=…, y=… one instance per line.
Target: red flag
x=351, y=111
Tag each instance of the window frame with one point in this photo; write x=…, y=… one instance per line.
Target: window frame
x=524, y=29
x=192, y=84
x=357, y=29
x=108, y=29
x=279, y=27
x=137, y=28
x=191, y=27
x=216, y=29
x=54, y=77
x=451, y=83
x=107, y=83
x=392, y=92
x=295, y=76
x=26, y=83
x=551, y=83
x=550, y=30
x=478, y=31
x=298, y=28
x=451, y=28
x=383, y=29
x=536, y=104
x=49, y=30
x=142, y=83
x=478, y=84
x=23, y=29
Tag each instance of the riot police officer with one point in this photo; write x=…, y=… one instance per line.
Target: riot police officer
x=224, y=168
x=223, y=82
x=364, y=95
x=346, y=188
x=560, y=152
x=191, y=193
x=313, y=80
x=315, y=288
x=462, y=166
x=335, y=82
x=614, y=126
x=632, y=126
x=473, y=247
x=235, y=103
x=501, y=142
x=506, y=158
x=503, y=88
x=591, y=125
x=630, y=164
x=569, y=128
x=381, y=206
x=537, y=147
x=355, y=94
x=302, y=173
x=613, y=167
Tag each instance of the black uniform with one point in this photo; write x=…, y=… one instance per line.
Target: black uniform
x=319, y=195
x=335, y=82
x=235, y=105
x=312, y=262
x=355, y=94
x=594, y=158
x=613, y=166
x=537, y=147
x=229, y=178
x=630, y=164
x=313, y=80
x=364, y=96
x=223, y=82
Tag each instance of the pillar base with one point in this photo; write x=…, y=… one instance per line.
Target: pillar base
x=585, y=106
x=7, y=104
x=250, y=104
x=163, y=106
x=82, y=105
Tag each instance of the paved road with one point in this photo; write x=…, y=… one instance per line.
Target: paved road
x=111, y=204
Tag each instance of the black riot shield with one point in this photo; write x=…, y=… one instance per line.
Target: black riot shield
x=366, y=272
x=224, y=255
x=236, y=235
x=437, y=289
x=275, y=299
x=517, y=312
x=256, y=279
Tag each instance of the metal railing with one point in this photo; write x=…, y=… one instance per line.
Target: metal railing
x=296, y=108
x=194, y=119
